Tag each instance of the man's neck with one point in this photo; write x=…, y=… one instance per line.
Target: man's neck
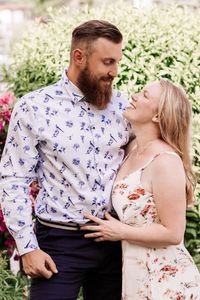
x=72, y=75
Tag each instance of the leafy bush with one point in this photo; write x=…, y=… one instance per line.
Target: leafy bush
x=12, y=287
x=192, y=234
x=162, y=42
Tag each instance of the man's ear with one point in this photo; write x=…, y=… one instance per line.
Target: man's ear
x=155, y=119
x=78, y=57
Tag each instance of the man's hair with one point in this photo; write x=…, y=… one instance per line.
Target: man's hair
x=90, y=31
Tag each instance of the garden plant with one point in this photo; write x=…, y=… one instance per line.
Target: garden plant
x=159, y=42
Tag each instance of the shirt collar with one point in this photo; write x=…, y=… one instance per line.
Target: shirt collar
x=74, y=92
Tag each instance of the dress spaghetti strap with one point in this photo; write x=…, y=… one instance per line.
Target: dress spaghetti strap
x=158, y=154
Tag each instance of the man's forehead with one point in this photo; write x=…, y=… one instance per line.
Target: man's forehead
x=108, y=48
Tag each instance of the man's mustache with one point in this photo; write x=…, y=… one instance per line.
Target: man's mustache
x=108, y=78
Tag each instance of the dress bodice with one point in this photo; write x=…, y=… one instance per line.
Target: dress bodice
x=133, y=204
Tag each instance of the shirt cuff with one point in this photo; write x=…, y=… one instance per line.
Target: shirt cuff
x=26, y=243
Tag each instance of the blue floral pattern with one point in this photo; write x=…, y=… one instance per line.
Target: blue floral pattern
x=71, y=147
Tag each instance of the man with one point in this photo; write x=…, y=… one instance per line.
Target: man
x=69, y=136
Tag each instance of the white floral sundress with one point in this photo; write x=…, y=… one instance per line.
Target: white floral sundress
x=166, y=273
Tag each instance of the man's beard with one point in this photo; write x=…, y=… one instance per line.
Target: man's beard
x=94, y=89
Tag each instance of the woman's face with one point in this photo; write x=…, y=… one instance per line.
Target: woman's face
x=144, y=105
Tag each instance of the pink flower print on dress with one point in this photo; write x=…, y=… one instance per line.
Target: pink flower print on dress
x=123, y=186
x=140, y=191
x=145, y=210
x=180, y=296
x=170, y=269
x=133, y=196
x=136, y=193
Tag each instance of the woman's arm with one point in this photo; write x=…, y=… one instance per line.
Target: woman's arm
x=170, y=198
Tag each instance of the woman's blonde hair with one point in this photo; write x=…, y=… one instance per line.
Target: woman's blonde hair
x=174, y=114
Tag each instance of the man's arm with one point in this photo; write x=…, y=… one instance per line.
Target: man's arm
x=17, y=171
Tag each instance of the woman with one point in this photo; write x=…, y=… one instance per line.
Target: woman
x=152, y=189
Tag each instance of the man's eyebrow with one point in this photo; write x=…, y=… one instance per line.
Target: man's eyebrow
x=109, y=58
x=112, y=58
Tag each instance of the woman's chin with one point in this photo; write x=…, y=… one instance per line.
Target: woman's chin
x=128, y=115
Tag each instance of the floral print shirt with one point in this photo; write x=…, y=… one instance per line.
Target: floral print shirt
x=71, y=147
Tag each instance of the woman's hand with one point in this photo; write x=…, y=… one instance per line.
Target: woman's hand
x=105, y=230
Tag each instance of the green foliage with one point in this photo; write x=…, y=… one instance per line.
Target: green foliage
x=162, y=42
x=158, y=42
x=192, y=234
x=80, y=296
x=12, y=287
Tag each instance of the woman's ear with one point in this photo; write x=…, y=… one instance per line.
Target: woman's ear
x=155, y=119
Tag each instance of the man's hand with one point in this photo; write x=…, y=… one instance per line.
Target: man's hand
x=37, y=263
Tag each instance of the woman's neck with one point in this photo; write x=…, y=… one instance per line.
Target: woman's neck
x=146, y=135
x=144, y=144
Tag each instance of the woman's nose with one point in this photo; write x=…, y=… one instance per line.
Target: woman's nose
x=134, y=98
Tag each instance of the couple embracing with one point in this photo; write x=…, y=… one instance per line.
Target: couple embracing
x=76, y=138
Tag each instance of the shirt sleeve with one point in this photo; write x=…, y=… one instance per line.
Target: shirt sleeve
x=17, y=170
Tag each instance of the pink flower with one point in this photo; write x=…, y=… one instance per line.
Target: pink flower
x=9, y=252
x=180, y=296
x=34, y=189
x=7, y=98
x=133, y=196
x=3, y=227
x=6, y=114
x=10, y=242
x=123, y=186
x=6, y=240
x=136, y=193
x=140, y=191
x=7, y=101
x=1, y=125
x=145, y=210
x=171, y=270
x=16, y=257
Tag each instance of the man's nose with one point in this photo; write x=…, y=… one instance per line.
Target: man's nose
x=114, y=71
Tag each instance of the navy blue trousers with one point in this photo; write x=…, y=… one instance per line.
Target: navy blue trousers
x=80, y=262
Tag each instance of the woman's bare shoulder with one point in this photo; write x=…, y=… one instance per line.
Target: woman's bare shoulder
x=169, y=162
